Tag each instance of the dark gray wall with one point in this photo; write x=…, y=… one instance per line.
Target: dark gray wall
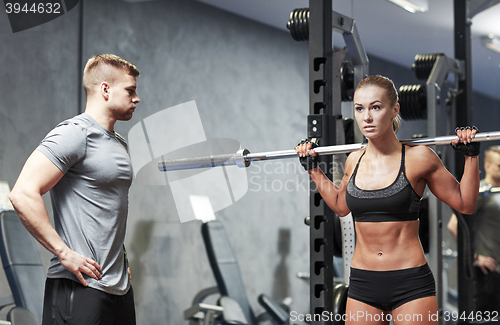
x=38, y=83
x=250, y=83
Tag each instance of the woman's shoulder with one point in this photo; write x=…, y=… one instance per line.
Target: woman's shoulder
x=352, y=160
x=355, y=155
x=421, y=156
x=419, y=150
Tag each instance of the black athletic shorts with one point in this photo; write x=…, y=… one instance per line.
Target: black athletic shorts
x=387, y=290
x=70, y=303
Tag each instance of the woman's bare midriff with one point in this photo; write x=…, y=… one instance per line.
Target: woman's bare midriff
x=386, y=246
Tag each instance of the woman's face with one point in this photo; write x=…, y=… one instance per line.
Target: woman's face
x=373, y=111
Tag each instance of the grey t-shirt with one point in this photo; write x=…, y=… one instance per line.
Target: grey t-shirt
x=90, y=202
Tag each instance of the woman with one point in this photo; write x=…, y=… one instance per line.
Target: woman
x=382, y=187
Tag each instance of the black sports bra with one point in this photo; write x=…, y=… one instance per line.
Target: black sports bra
x=396, y=202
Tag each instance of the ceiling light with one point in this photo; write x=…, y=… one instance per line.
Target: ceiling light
x=412, y=6
x=492, y=42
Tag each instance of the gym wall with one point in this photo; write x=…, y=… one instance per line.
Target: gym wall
x=250, y=83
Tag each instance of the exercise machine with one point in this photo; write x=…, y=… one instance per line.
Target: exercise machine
x=233, y=306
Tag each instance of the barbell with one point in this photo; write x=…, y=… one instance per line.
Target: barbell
x=243, y=157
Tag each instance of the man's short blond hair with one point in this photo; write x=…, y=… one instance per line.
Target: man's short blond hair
x=489, y=152
x=102, y=67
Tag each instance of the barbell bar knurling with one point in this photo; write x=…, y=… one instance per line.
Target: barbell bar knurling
x=243, y=157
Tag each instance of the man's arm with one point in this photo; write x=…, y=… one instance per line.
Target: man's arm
x=37, y=177
x=485, y=263
x=452, y=225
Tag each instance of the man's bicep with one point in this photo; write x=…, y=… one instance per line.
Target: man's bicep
x=39, y=173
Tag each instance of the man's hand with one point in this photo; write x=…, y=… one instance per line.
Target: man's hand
x=78, y=264
x=486, y=264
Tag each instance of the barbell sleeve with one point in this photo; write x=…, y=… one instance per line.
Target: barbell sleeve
x=243, y=157
x=238, y=159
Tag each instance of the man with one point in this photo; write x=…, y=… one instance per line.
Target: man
x=86, y=166
x=486, y=234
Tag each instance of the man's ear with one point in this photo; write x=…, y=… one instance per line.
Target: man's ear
x=105, y=90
